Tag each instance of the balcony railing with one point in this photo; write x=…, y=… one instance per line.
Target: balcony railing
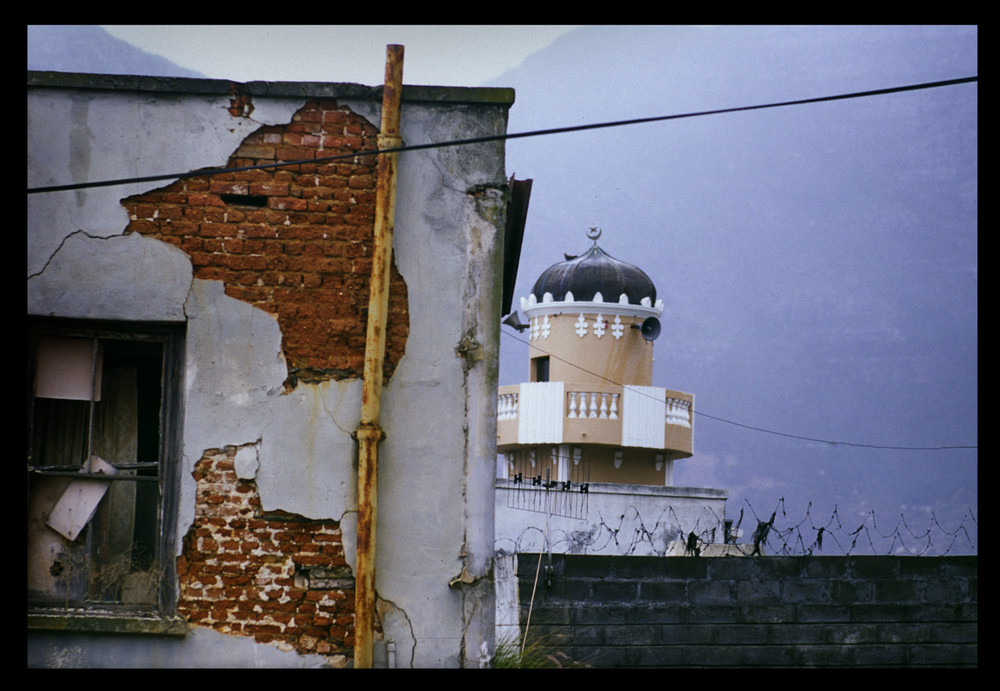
x=678, y=412
x=589, y=407
x=558, y=412
x=601, y=405
x=507, y=405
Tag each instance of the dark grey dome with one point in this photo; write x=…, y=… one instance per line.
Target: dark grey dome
x=591, y=273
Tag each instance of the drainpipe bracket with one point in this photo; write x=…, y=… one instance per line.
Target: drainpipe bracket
x=368, y=432
x=388, y=141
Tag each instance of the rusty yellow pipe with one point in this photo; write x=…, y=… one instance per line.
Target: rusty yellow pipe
x=369, y=432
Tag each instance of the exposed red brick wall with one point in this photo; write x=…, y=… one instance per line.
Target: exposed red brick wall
x=237, y=572
x=305, y=254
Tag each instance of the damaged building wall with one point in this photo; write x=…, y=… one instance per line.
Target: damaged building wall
x=267, y=273
x=275, y=576
x=294, y=241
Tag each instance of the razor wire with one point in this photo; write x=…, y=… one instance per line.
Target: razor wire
x=773, y=533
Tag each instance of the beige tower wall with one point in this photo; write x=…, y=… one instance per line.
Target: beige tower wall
x=586, y=351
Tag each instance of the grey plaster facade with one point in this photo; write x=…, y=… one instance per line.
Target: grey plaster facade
x=435, y=524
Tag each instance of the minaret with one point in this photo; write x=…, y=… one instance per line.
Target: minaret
x=589, y=399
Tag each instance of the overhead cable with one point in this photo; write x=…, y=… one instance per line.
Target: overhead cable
x=832, y=442
x=504, y=137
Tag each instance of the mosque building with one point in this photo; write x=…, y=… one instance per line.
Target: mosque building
x=588, y=440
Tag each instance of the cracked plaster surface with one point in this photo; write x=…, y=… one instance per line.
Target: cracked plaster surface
x=78, y=137
x=117, y=283
x=233, y=386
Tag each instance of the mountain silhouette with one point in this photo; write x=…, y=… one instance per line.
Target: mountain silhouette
x=91, y=49
x=818, y=263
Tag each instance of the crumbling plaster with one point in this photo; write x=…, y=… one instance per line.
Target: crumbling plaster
x=78, y=136
x=437, y=407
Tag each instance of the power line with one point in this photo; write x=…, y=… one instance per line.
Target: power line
x=751, y=427
x=841, y=443
x=505, y=137
x=563, y=130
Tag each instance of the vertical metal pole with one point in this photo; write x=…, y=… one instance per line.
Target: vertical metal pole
x=369, y=432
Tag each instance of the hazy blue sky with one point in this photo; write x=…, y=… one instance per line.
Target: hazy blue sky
x=450, y=55
x=819, y=264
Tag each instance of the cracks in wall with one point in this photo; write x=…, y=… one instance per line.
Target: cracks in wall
x=469, y=349
x=348, y=429
x=472, y=587
x=392, y=618
x=487, y=207
x=62, y=243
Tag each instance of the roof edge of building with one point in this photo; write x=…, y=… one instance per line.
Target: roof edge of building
x=502, y=96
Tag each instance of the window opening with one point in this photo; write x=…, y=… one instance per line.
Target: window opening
x=541, y=367
x=100, y=469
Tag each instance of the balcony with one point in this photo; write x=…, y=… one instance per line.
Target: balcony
x=563, y=413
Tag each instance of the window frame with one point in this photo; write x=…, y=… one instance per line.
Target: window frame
x=162, y=612
x=540, y=368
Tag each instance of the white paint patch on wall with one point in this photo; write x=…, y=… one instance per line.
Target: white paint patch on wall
x=540, y=418
x=643, y=416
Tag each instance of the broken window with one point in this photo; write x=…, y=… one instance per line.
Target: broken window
x=102, y=456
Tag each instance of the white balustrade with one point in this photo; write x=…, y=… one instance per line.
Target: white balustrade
x=678, y=412
x=507, y=406
x=592, y=404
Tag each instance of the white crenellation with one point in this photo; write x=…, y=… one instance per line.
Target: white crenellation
x=570, y=305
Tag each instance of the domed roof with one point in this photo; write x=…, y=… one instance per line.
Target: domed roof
x=595, y=272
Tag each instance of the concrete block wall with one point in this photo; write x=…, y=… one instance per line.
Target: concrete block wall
x=865, y=611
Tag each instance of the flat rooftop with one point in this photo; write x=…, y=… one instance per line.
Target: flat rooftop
x=261, y=89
